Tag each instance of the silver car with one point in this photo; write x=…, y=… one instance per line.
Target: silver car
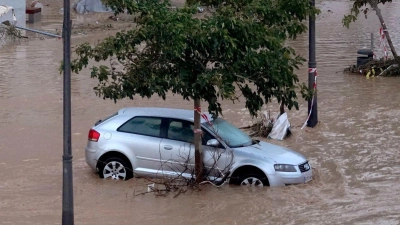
x=158, y=142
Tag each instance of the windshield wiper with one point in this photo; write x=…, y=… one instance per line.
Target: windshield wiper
x=245, y=144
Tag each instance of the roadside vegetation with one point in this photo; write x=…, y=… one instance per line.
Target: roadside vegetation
x=385, y=66
x=236, y=50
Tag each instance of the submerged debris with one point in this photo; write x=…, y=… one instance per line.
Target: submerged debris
x=10, y=31
x=258, y=129
x=276, y=128
x=382, y=67
x=261, y=128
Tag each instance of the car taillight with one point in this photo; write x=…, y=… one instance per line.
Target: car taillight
x=93, y=135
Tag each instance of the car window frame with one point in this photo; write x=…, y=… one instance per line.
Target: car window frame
x=168, y=122
x=205, y=130
x=220, y=139
x=162, y=124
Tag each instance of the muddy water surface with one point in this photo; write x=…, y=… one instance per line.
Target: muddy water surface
x=354, y=149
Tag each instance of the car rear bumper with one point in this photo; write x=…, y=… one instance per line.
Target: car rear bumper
x=91, y=158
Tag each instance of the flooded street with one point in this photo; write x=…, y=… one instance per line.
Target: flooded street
x=354, y=149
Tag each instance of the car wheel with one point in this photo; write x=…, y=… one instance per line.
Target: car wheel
x=116, y=169
x=253, y=180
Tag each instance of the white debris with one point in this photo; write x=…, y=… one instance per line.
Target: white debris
x=150, y=187
x=4, y=9
x=280, y=128
x=85, y=6
x=36, y=4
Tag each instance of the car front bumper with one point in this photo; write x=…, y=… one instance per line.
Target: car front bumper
x=288, y=178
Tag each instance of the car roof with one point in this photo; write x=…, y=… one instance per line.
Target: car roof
x=183, y=114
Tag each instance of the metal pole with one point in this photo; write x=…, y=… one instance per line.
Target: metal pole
x=312, y=103
x=39, y=32
x=67, y=197
x=372, y=41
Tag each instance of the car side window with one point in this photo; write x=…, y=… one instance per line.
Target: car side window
x=206, y=137
x=149, y=126
x=180, y=130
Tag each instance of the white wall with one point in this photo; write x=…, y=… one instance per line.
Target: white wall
x=20, y=8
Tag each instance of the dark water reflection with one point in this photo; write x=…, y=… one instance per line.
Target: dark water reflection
x=354, y=149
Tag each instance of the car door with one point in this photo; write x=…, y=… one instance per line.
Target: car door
x=177, y=149
x=143, y=135
x=217, y=159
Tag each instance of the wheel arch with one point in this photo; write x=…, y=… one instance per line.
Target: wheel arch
x=114, y=153
x=247, y=169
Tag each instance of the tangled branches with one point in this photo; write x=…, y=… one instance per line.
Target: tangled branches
x=261, y=128
x=8, y=31
x=382, y=67
x=175, y=173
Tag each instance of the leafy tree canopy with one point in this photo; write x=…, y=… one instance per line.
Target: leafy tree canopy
x=240, y=46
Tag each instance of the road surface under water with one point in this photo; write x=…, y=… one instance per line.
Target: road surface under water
x=353, y=150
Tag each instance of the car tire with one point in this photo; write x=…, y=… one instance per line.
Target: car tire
x=252, y=179
x=115, y=168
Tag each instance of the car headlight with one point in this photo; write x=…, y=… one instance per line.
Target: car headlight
x=284, y=168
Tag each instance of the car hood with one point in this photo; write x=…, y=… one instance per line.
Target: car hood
x=275, y=153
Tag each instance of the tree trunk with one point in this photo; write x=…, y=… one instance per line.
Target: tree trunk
x=197, y=142
x=282, y=108
x=374, y=5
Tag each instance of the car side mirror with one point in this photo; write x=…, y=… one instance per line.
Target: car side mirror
x=213, y=142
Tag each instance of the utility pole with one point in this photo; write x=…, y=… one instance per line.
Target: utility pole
x=67, y=195
x=312, y=74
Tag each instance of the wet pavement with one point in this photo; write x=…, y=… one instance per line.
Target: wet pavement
x=354, y=149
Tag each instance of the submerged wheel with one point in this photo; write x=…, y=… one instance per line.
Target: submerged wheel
x=253, y=180
x=116, y=169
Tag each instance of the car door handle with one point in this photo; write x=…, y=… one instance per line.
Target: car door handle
x=168, y=147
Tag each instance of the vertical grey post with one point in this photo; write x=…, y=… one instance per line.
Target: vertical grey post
x=372, y=41
x=67, y=195
x=312, y=105
x=198, y=155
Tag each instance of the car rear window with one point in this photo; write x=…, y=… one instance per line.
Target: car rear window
x=105, y=119
x=149, y=126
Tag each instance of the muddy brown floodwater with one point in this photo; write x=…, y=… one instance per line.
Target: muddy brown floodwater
x=354, y=149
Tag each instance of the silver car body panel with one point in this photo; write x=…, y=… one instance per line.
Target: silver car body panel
x=156, y=156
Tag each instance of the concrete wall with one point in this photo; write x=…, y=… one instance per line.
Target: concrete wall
x=19, y=7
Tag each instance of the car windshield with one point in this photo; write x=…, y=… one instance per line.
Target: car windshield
x=230, y=134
